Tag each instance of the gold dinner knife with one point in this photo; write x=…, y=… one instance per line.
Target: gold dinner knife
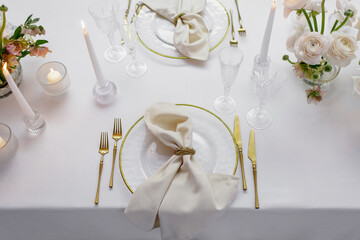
x=237, y=136
x=252, y=157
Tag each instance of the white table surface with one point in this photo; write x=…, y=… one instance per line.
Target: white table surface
x=308, y=160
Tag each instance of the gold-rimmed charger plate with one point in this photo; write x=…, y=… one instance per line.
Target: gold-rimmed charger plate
x=141, y=154
x=154, y=32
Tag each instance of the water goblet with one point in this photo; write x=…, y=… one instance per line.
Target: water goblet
x=105, y=13
x=127, y=23
x=266, y=85
x=230, y=60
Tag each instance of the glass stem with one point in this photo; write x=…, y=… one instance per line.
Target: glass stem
x=132, y=53
x=226, y=92
x=260, y=111
x=111, y=37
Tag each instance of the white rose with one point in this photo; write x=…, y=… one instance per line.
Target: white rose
x=313, y=5
x=342, y=49
x=291, y=5
x=344, y=5
x=310, y=46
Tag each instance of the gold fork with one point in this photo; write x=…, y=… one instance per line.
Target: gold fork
x=241, y=30
x=103, y=149
x=233, y=42
x=117, y=135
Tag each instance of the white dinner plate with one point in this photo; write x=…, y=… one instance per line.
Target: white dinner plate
x=141, y=154
x=156, y=33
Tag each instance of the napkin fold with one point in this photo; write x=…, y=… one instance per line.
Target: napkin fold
x=191, y=36
x=180, y=198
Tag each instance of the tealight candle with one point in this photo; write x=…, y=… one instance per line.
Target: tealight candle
x=2, y=142
x=8, y=143
x=53, y=76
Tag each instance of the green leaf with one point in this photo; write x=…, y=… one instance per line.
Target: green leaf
x=29, y=17
x=17, y=33
x=23, y=54
x=32, y=26
x=40, y=42
x=35, y=20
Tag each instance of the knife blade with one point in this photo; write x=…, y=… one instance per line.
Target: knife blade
x=237, y=136
x=252, y=157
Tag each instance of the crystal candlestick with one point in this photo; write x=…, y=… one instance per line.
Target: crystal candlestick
x=35, y=124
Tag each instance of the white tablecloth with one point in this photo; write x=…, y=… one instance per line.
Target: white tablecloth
x=308, y=160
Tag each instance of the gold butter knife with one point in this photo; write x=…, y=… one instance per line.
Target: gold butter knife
x=252, y=157
x=237, y=136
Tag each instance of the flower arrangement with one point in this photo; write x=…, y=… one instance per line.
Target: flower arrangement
x=319, y=50
x=19, y=43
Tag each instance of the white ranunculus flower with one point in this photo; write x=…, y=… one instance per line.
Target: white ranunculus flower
x=291, y=5
x=313, y=5
x=310, y=46
x=342, y=49
x=344, y=5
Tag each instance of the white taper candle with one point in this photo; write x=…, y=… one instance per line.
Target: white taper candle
x=24, y=105
x=267, y=34
x=96, y=66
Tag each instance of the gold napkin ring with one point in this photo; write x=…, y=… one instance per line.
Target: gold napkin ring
x=177, y=17
x=185, y=151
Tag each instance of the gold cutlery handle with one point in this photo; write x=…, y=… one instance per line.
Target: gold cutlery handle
x=242, y=169
x=256, y=188
x=98, y=186
x=113, y=165
x=232, y=25
x=238, y=11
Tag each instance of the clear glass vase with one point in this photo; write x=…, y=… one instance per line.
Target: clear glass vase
x=325, y=80
x=17, y=75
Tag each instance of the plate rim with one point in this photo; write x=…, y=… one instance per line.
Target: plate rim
x=184, y=57
x=179, y=104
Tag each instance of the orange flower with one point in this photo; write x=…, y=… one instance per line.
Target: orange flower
x=40, y=51
x=11, y=62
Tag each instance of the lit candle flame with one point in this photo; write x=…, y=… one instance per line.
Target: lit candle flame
x=83, y=26
x=51, y=70
x=5, y=67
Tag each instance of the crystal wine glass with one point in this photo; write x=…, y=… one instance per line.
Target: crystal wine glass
x=266, y=85
x=127, y=23
x=230, y=60
x=105, y=13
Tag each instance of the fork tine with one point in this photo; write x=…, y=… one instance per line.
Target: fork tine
x=114, y=128
x=120, y=127
x=101, y=138
x=107, y=141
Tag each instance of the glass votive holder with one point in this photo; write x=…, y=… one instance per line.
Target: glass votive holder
x=53, y=78
x=8, y=143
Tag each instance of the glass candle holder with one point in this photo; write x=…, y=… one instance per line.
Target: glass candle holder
x=53, y=78
x=8, y=143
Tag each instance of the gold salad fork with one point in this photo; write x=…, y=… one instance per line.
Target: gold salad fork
x=241, y=30
x=103, y=149
x=117, y=135
x=233, y=42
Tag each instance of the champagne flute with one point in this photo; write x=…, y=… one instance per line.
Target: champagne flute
x=105, y=14
x=266, y=86
x=230, y=60
x=127, y=23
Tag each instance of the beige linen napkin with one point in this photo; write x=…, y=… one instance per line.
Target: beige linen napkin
x=181, y=197
x=191, y=36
